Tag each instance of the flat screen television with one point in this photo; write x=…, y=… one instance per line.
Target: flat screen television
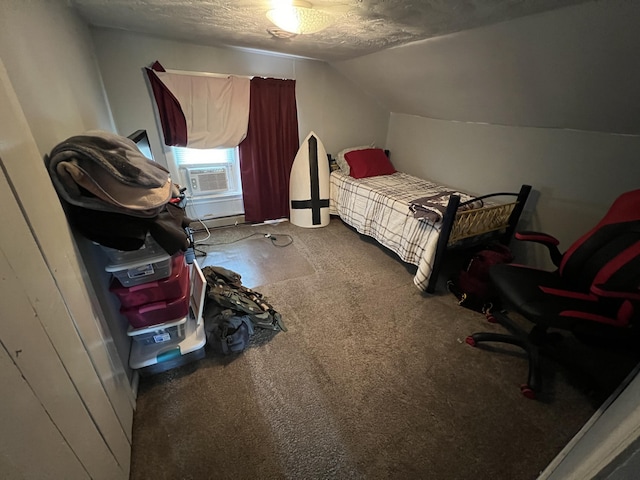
x=141, y=139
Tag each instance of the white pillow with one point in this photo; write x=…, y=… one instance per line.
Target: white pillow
x=342, y=163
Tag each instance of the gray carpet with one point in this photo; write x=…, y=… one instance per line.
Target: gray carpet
x=373, y=380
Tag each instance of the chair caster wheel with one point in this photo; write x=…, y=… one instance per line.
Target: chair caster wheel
x=527, y=392
x=470, y=341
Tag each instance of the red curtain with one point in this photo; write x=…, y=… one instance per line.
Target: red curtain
x=268, y=151
x=174, y=124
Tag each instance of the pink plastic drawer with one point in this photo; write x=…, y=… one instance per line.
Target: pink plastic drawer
x=172, y=287
x=157, y=312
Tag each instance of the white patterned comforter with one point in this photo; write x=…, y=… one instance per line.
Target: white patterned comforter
x=379, y=207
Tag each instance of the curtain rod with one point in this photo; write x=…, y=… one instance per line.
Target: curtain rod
x=207, y=74
x=218, y=75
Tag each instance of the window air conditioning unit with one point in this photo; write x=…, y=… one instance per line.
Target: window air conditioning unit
x=209, y=180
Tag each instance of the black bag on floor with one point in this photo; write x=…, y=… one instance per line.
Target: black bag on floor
x=472, y=286
x=228, y=333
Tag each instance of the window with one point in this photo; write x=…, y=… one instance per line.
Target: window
x=198, y=156
x=209, y=172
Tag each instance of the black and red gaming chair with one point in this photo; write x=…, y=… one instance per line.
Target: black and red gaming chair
x=594, y=293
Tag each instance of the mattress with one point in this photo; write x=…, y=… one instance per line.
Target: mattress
x=380, y=208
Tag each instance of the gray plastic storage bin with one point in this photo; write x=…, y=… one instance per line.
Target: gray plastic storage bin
x=162, y=333
x=150, y=249
x=138, y=272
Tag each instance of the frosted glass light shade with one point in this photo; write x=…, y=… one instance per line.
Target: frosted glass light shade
x=299, y=17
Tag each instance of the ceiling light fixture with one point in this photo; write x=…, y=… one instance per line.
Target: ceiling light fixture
x=299, y=17
x=280, y=34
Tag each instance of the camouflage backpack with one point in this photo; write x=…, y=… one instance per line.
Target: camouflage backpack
x=226, y=292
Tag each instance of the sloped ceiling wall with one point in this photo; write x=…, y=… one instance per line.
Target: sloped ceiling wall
x=575, y=68
x=359, y=27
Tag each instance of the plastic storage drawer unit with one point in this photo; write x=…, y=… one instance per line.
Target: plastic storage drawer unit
x=175, y=285
x=134, y=273
x=165, y=332
x=160, y=357
x=157, y=312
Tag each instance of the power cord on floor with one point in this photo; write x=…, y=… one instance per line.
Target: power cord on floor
x=208, y=233
x=204, y=225
x=274, y=240
x=199, y=252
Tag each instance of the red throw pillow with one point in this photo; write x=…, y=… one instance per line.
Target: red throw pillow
x=369, y=162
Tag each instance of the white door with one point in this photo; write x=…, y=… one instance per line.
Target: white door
x=67, y=406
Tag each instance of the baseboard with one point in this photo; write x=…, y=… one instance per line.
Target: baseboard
x=218, y=222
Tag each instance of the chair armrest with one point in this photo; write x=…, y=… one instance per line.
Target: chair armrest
x=602, y=291
x=544, y=239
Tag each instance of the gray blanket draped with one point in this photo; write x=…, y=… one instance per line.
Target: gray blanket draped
x=106, y=172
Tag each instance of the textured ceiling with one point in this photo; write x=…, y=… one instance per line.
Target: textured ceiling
x=360, y=27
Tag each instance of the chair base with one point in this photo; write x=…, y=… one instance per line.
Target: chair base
x=519, y=338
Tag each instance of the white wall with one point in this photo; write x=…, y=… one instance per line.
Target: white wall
x=51, y=327
x=47, y=51
x=574, y=67
x=575, y=174
x=339, y=113
x=551, y=100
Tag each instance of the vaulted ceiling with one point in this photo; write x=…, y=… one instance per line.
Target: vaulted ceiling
x=359, y=27
x=532, y=63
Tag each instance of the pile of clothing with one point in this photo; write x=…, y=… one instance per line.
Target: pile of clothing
x=114, y=195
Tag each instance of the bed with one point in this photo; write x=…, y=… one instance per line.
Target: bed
x=417, y=219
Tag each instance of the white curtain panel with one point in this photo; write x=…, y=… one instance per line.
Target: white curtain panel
x=216, y=109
